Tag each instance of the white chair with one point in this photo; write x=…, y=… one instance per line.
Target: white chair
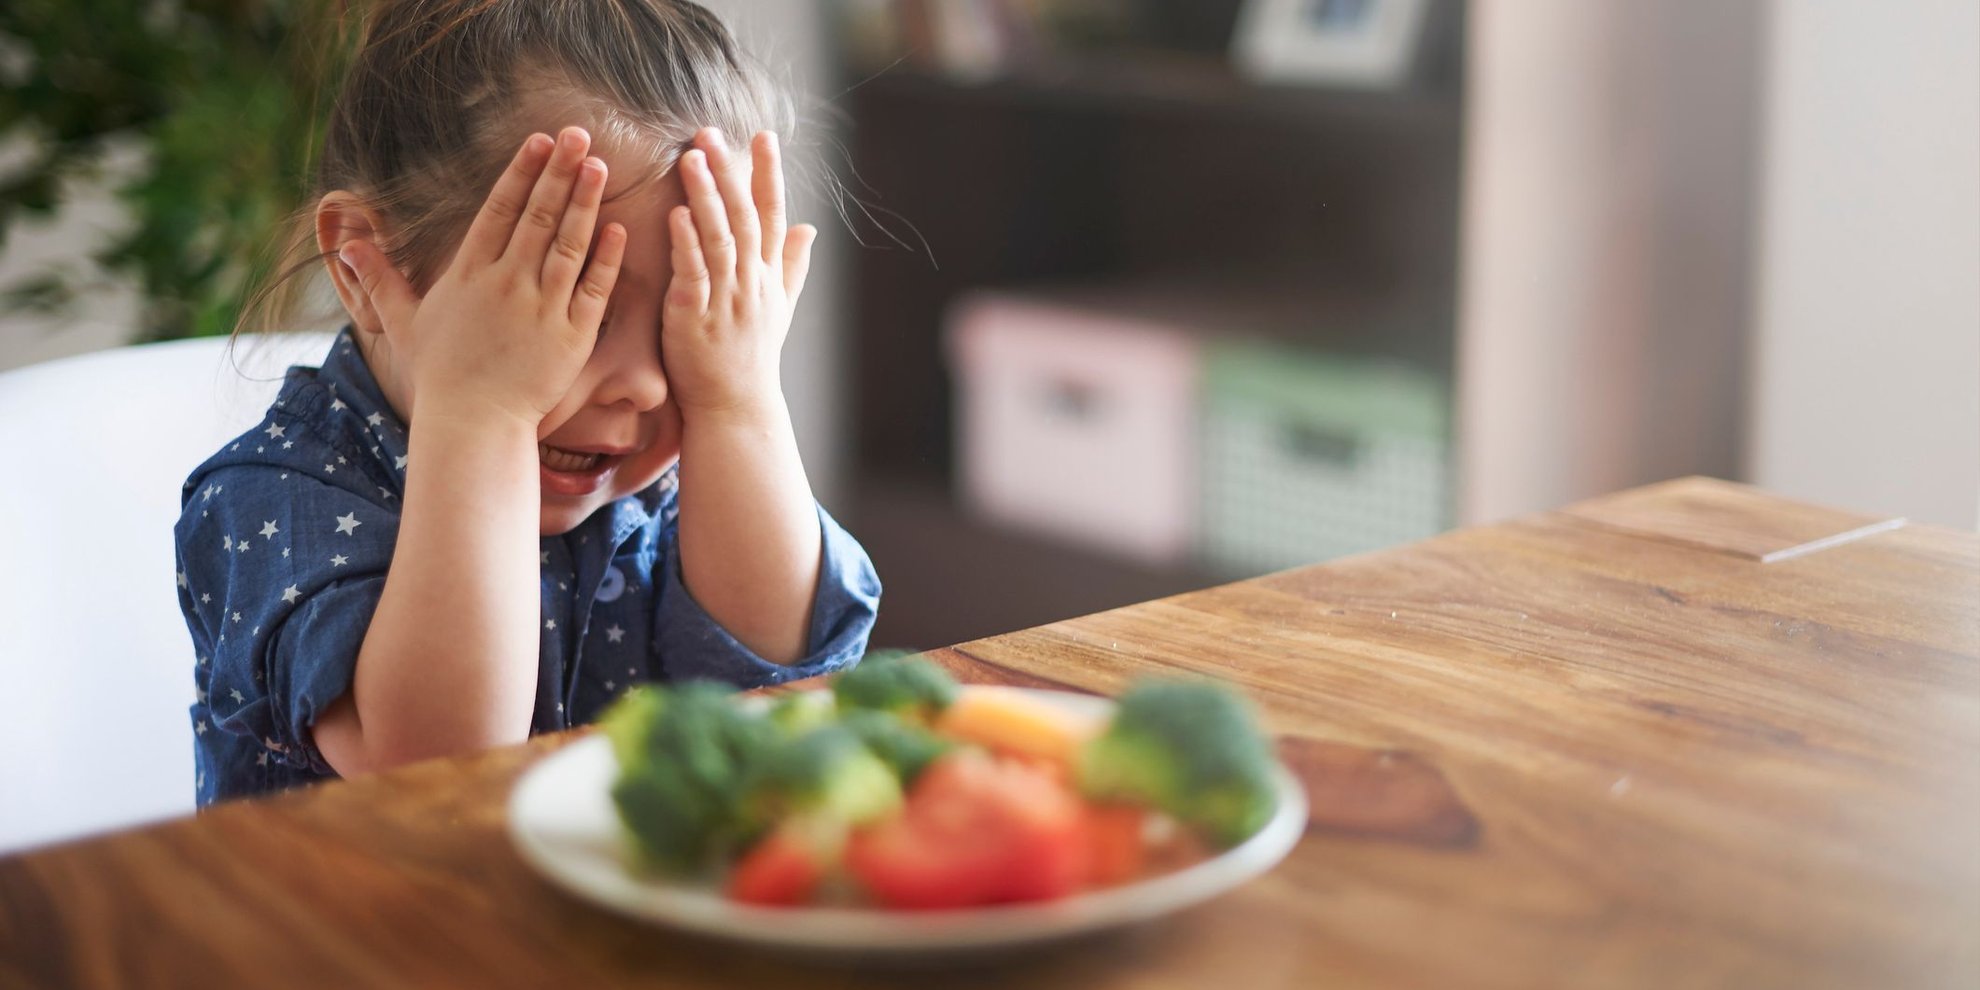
x=94, y=656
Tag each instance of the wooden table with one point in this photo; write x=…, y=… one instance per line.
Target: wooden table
x=1688, y=735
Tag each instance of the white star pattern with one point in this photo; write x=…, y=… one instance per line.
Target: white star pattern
x=329, y=469
x=347, y=524
x=242, y=546
x=274, y=431
x=375, y=419
x=199, y=695
x=237, y=616
x=207, y=493
x=269, y=528
x=614, y=634
x=261, y=758
x=182, y=579
x=546, y=557
x=340, y=459
x=236, y=695
x=285, y=551
x=550, y=624
x=286, y=444
x=261, y=450
x=226, y=541
x=611, y=685
x=399, y=461
x=290, y=594
x=235, y=447
x=205, y=598
x=200, y=729
x=337, y=405
x=339, y=560
x=285, y=476
x=385, y=492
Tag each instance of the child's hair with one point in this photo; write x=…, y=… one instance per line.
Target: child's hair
x=441, y=93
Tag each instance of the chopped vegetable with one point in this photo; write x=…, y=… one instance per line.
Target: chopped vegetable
x=1116, y=843
x=904, y=684
x=786, y=867
x=1192, y=749
x=908, y=749
x=802, y=711
x=824, y=773
x=682, y=754
x=976, y=830
x=1016, y=722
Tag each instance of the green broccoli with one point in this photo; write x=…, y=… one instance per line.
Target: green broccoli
x=901, y=683
x=907, y=748
x=684, y=753
x=802, y=711
x=1192, y=749
x=825, y=773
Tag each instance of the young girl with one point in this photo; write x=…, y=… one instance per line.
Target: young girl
x=549, y=457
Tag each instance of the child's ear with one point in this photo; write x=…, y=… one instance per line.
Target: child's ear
x=342, y=217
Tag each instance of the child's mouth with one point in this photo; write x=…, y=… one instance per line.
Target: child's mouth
x=574, y=472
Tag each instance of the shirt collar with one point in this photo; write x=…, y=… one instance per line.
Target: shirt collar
x=354, y=391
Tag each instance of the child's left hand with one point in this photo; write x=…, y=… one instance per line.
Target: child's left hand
x=737, y=274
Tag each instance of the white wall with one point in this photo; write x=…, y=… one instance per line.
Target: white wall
x=793, y=38
x=1606, y=246
x=1867, y=356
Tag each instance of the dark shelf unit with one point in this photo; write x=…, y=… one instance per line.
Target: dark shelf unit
x=1117, y=169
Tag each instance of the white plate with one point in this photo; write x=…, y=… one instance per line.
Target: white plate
x=562, y=819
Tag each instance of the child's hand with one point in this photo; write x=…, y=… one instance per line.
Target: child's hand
x=508, y=326
x=737, y=275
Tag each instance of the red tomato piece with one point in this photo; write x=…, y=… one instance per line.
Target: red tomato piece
x=1116, y=847
x=975, y=831
x=780, y=870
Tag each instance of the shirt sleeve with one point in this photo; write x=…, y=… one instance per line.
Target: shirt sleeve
x=283, y=574
x=692, y=645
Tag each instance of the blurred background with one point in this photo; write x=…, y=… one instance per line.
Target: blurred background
x=1120, y=298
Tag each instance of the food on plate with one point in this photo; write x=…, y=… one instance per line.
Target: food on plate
x=900, y=788
x=1017, y=723
x=1191, y=750
x=898, y=683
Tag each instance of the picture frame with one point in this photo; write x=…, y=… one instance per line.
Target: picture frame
x=1367, y=44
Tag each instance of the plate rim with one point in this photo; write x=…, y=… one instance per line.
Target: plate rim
x=849, y=929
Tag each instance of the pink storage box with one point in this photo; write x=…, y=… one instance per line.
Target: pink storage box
x=1077, y=422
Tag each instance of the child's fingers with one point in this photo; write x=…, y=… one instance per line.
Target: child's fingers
x=732, y=182
x=548, y=200
x=600, y=276
x=797, y=259
x=489, y=234
x=768, y=180
x=717, y=243
x=690, y=288
x=565, y=262
x=390, y=295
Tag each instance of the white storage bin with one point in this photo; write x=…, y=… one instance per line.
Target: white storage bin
x=1077, y=422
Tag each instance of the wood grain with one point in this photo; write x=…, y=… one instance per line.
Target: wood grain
x=1720, y=515
x=1679, y=766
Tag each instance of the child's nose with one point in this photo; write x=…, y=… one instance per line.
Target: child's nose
x=635, y=379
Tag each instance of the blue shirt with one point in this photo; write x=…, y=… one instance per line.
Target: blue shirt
x=284, y=539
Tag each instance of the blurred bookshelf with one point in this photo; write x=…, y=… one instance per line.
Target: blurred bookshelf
x=1131, y=163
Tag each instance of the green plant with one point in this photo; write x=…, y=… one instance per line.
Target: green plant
x=225, y=96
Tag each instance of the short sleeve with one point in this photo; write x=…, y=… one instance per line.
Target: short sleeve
x=693, y=645
x=283, y=574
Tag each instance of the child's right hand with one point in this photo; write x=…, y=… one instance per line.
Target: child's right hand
x=507, y=328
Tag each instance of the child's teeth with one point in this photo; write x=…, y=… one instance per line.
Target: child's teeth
x=564, y=460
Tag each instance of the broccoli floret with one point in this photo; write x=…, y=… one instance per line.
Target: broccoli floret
x=908, y=749
x=684, y=753
x=824, y=773
x=901, y=683
x=803, y=711
x=1191, y=749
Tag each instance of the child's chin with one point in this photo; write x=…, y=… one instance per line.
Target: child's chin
x=556, y=520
